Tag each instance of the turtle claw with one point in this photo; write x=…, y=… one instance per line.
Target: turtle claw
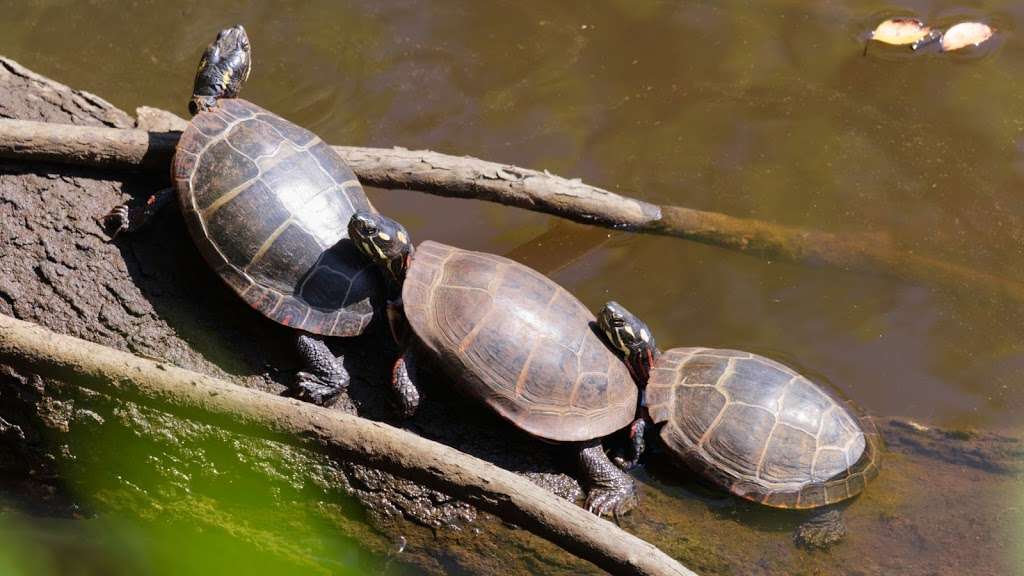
x=316, y=390
x=116, y=220
x=624, y=463
x=614, y=502
x=596, y=502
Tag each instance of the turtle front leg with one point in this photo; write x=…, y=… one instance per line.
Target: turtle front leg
x=637, y=431
x=821, y=530
x=609, y=489
x=403, y=382
x=324, y=376
x=125, y=219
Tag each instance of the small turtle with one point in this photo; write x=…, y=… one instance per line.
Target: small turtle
x=268, y=205
x=511, y=338
x=749, y=424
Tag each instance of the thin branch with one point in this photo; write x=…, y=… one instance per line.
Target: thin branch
x=466, y=177
x=202, y=398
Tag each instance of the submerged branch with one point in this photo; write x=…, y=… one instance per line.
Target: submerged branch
x=466, y=177
x=202, y=398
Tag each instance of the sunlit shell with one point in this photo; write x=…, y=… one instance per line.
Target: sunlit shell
x=900, y=31
x=965, y=34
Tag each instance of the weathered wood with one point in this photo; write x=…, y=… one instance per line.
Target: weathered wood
x=149, y=294
x=467, y=177
x=196, y=396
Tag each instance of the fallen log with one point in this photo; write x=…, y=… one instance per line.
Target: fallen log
x=467, y=177
x=203, y=398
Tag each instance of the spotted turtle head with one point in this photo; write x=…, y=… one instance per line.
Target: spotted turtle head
x=223, y=69
x=630, y=336
x=383, y=241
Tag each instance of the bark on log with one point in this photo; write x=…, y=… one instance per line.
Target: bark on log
x=151, y=295
x=467, y=177
x=196, y=396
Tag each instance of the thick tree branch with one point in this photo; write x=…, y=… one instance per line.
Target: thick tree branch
x=247, y=411
x=466, y=177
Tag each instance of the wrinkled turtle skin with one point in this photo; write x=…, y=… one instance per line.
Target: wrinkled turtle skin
x=759, y=429
x=268, y=204
x=517, y=341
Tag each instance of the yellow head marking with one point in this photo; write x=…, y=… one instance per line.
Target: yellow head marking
x=402, y=237
x=370, y=248
x=629, y=330
x=384, y=236
x=613, y=336
x=643, y=334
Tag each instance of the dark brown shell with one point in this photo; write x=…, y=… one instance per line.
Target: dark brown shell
x=759, y=429
x=519, y=342
x=268, y=205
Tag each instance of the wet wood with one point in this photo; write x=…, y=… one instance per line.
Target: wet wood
x=467, y=177
x=206, y=399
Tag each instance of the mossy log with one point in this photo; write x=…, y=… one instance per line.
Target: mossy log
x=196, y=396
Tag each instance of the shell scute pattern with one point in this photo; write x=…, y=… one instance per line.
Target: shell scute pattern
x=210, y=125
x=734, y=450
x=268, y=205
x=517, y=341
x=240, y=109
x=255, y=140
x=295, y=134
x=760, y=429
x=751, y=384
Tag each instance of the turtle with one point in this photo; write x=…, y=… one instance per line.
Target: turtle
x=510, y=338
x=749, y=424
x=267, y=203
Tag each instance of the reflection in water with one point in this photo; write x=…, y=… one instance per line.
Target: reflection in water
x=766, y=110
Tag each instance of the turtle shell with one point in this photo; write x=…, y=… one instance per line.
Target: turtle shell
x=514, y=339
x=759, y=429
x=268, y=205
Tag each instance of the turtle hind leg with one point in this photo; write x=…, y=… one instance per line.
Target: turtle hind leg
x=609, y=489
x=124, y=219
x=823, y=529
x=324, y=376
x=403, y=384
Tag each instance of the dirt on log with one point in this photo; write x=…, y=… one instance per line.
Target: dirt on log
x=151, y=295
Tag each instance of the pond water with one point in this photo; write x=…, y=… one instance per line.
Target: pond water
x=767, y=110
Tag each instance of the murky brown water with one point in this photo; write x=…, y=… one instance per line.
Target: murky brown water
x=766, y=110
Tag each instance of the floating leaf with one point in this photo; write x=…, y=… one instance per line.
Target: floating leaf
x=965, y=34
x=901, y=31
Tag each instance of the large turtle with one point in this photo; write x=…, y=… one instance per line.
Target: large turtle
x=268, y=205
x=511, y=338
x=749, y=424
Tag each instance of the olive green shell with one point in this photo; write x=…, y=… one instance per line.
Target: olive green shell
x=512, y=338
x=268, y=205
x=759, y=429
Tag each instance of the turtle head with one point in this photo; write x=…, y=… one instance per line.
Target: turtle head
x=630, y=336
x=383, y=241
x=223, y=69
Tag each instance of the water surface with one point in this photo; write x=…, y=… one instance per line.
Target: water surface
x=766, y=110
